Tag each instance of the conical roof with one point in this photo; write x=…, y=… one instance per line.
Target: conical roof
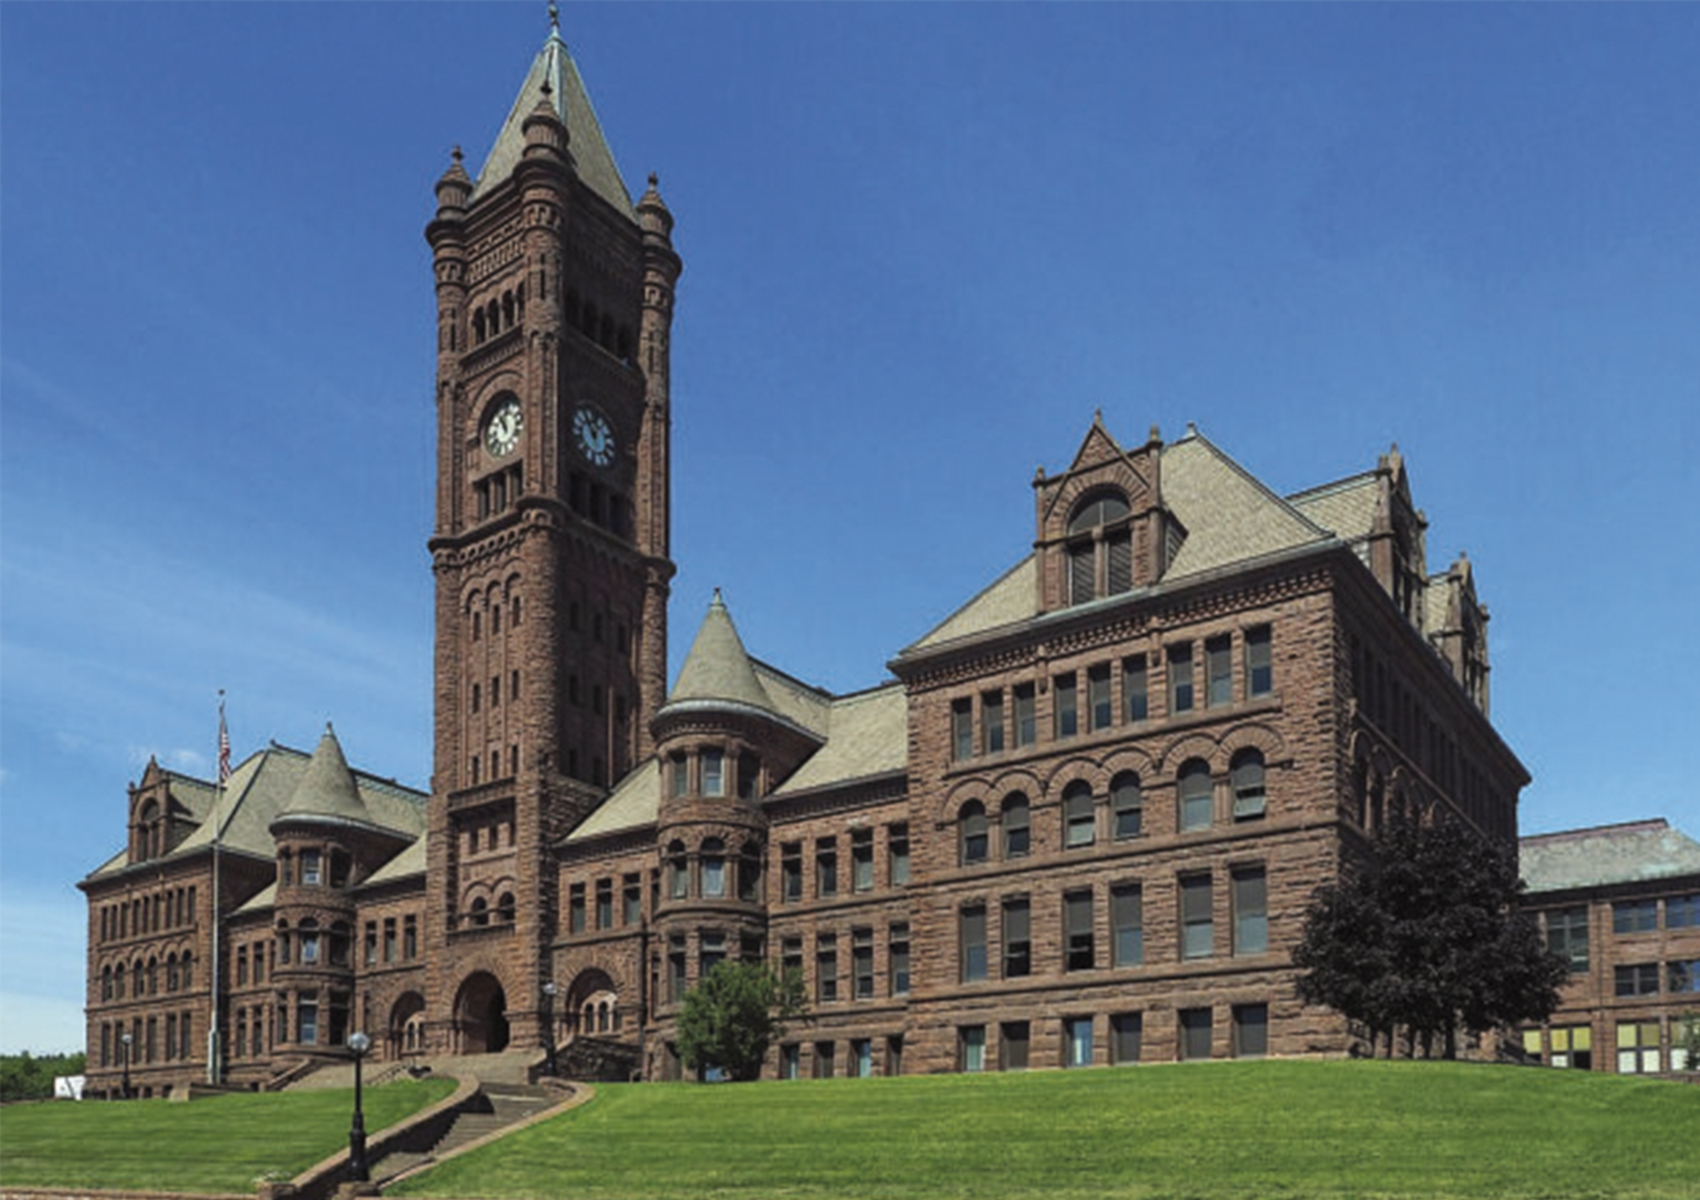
x=718, y=667
x=554, y=79
x=327, y=790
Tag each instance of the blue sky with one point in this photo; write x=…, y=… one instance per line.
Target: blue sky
x=922, y=244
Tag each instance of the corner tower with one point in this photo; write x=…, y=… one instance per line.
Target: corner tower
x=550, y=545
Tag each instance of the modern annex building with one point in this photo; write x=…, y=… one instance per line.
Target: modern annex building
x=1078, y=825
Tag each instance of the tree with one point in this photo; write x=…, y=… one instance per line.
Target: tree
x=1428, y=937
x=734, y=1014
x=25, y=1077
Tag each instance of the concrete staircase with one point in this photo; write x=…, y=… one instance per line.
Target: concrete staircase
x=499, y=1106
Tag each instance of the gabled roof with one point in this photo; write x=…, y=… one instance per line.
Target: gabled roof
x=1633, y=852
x=555, y=68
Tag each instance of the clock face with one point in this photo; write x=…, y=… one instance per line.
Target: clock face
x=594, y=435
x=502, y=430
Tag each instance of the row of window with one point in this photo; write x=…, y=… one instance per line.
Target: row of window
x=630, y=906
x=310, y=946
x=501, y=314
x=1680, y=977
x=600, y=327
x=1082, y=825
x=490, y=601
x=861, y=874
x=313, y=868
x=1082, y=1036
x=144, y=1044
x=388, y=949
x=160, y=912
x=1638, y=1044
x=1080, y=926
x=314, y=1024
x=143, y=978
x=1116, y=694
x=1567, y=928
x=475, y=765
x=706, y=770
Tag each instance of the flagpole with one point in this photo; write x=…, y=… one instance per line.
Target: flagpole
x=215, y=1064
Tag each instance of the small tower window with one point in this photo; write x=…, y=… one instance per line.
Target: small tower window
x=1100, y=548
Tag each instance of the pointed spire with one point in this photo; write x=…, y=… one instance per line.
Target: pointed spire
x=718, y=667
x=327, y=788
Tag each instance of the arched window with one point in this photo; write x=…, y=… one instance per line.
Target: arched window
x=972, y=819
x=1100, y=547
x=1247, y=775
x=1017, y=827
x=678, y=872
x=186, y=970
x=505, y=908
x=1195, y=797
x=1079, y=825
x=118, y=982
x=480, y=909
x=170, y=972
x=1127, y=805
x=713, y=868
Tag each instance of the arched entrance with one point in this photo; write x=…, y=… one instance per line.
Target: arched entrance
x=593, y=1005
x=406, y=1028
x=481, y=1015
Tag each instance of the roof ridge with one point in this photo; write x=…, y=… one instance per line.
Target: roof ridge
x=1644, y=825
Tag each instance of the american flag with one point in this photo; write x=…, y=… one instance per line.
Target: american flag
x=223, y=744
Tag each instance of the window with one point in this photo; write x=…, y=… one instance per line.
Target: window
x=1127, y=805
x=1195, y=795
x=713, y=869
x=1251, y=1030
x=1127, y=918
x=575, y=908
x=826, y=968
x=1100, y=707
x=1196, y=1030
x=1573, y=1046
x=1637, y=979
x=1567, y=936
x=974, y=847
x=307, y=1019
x=389, y=939
x=1198, y=929
x=791, y=956
x=971, y=1047
x=991, y=722
x=862, y=963
x=1026, y=716
x=1127, y=1031
x=973, y=940
x=1634, y=916
x=679, y=767
x=826, y=867
x=1100, y=541
x=961, y=729
x=711, y=954
x=899, y=959
x=1077, y=1041
x=1066, y=708
x=1251, y=910
x=1685, y=976
x=309, y=942
x=410, y=938
x=310, y=870
x=1135, y=689
x=604, y=903
x=862, y=860
x=749, y=776
x=897, y=846
x=1259, y=662
x=1078, y=815
x=823, y=1060
x=1077, y=931
x=631, y=900
x=1246, y=775
x=713, y=773
x=1638, y=1048
x=1682, y=912
x=791, y=872
x=1017, y=1039
x=678, y=872
x=1218, y=672
x=676, y=978
x=790, y=1061
x=1017, y=828
x=862, y=1058
x=1180, y=679
x=1017, y=938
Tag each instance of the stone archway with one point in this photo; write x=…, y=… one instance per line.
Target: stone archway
x=481, y=1015
x=592, y=1006
x=405, y=1030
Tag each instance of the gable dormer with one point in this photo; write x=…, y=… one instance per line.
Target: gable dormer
x=1398, y=554
x=1102, y=528
x=1458, y=628
x=158, y=820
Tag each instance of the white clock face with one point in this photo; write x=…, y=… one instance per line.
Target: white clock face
x=594, y=435
x=502, y=430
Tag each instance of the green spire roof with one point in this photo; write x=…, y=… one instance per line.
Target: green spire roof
x=555, y=69
x=327, y=790
x=718, y=667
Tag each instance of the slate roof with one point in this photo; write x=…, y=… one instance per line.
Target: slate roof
x=591, y=155
x=1633, y=852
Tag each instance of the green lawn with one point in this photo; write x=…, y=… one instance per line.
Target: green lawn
x=220, y=1144
x=1320, y=1131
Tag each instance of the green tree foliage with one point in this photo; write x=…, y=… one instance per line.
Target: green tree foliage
x=734, y=1014
x=1426, y=939
x=25, y=1077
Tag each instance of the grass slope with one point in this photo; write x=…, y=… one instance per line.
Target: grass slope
x=1205, y=1131
x=220, y=1144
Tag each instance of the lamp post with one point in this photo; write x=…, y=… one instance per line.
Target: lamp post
x=358, y=1044
x=127, y=1039
x=549, y=990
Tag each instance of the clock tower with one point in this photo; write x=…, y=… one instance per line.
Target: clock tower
x=550, y=546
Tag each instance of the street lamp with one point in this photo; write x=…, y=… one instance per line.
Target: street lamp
x=127, y=1039
x=549, y=990
x=358, y=1044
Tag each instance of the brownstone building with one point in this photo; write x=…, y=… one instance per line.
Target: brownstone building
x=1078, y=826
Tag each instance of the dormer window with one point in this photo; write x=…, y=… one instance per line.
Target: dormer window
x=1100, y=547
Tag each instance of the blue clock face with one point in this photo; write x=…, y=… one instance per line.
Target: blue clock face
x=594, y=435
